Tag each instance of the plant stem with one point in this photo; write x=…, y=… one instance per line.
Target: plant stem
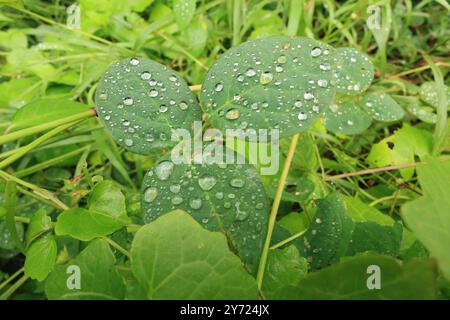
x=273, y=212
x=42, y=127
x=11, y=278
x=14, y=287
x=370, y=171
x=10, y=206
x=287, y=240
x=118, y=247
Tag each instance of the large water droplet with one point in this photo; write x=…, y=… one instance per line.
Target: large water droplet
x=128, y=101
x=164, y=169
x=175, y=188
x=129, y=142
x=134, y=61
x=250, y=72
x=316, y=51
x=176, y=200
x=322, y=83
x=183, y=105
x=207, y=183
x=237, y=182
x=146, y=75
x=233, y=114
x=219, y=87
x=308, y=96
x=195, y=203
x=266, y=77
x=302, y=116
x=153, y=93
x=150, y=194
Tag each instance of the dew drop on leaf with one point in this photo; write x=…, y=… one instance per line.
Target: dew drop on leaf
x=164, y=169
x=207, y=183
x=150, y=194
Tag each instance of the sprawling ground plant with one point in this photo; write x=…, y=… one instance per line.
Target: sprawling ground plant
x=96, y=206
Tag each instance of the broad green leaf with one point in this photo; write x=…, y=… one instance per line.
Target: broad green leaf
x=328, y=235
x=273, y=83
x=13, y=39
x=31, y=61
x=362, y=212
x=99, y=279
x=184, y=11
x=16, y=92
x=382, y=107
x=46, y=110
x=105, y=214
x=429, y=93
x=226, y=198
x=370, y=236
x=175, y=258
x=40, y=257
x=141, y=101
x=6, y=240
x=429, y=216
x=285, y=267
x=40, y=223
x=354, y=71
x=348, y=280
x=346, y=118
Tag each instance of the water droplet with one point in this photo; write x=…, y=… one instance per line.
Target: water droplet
x=316, y=51
x=128, y=101
x=240, y=77
x=128, y=142
x=237, y=183
x=281, y=59
x=298, y=104
x=150, y=194
x=207, y=183
x=279, y=69
x=266, y=77
x=173, y=78
x=134, y=61
x=103, y=96
x=250, y=72
x=318, y=220
x=325, y=66
x=153, y=93
x=233, y=114
x=259, y=205
x=219, y=195
x=302, y=116
x=164, y=169
x=163, y=108
x=183, y=105
x=176, y=200
x=205, y=220
x=175, y=188
x=146, y=75
x=308, y=96
x=195, y=203
x=350, y=122
x=322, y=83
x=219, y=87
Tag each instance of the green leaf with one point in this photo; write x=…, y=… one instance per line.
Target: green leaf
x=328, y=235
x=429, y=216
x=184, y=11
x=285, y=267
x=40, y=258
x=106, y=213
x=354, y=71
x=362, y=212
x=346, y=118
x=13, y=39
x=370, y=236
x=348, y=280
x=429, y=93
x=175, y=258
x=382, y=107
x=141, y=101
x=226, y=198
x=16, y=92
x=99, y=279
x=40, y=223
x=276, y=82
x=46, y=110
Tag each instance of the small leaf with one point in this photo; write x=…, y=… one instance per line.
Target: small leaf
x=327, y=237
x=354, y=72
x=382, y=107
x=429, y=216
x=46, y=110
x=40, y=222
x=276, y=82
x=98, y=277
x=429, y=93
x=346, y=118
x=184, y=11
x=175, y=258
x=285, y=267
x=348, y=280
x=141, y=101
x=226, y=198
x=362, y=212
x=106, y=213
x=40, y=258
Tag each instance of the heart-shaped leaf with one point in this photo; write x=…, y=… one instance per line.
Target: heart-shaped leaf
x=277, y=82
x=141, y=101
x=106, y=213
x=382, y=107
x=175, y=258
x=93, y=270
x=346, y=118
x=226, y=198
x=354, y=71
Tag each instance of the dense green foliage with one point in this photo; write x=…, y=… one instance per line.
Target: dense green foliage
x=87, y=184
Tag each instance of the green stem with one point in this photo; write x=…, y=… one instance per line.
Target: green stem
x=45, y=126
x=273, y=212
x=118, y=247
x=287, y=240
x=11, y=278
x=14, y=287
x=295, y=12
x=10, y=206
